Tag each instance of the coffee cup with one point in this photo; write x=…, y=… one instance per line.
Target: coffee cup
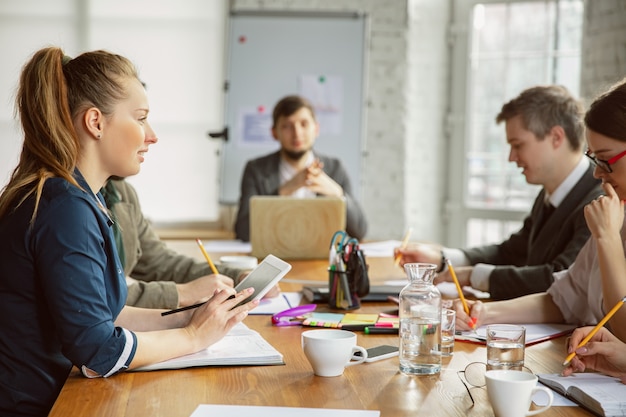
x=241, y=262
x=510, y=393
x=330, y=351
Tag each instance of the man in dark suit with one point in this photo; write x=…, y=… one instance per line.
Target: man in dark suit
x=296, y=170
x=545, y=132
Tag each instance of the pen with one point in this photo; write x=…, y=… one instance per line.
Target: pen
x=178, y=310
x=460, y=291
x=380, y=330
x=287, y=300
x=594, y=330
x=405, y=242
x=207, y=257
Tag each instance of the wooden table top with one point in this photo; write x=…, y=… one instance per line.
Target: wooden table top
x=373, y=386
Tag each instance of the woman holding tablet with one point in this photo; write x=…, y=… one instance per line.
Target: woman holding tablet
x=62, y=287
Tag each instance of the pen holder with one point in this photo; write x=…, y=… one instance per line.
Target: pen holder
x=341, y=294
x=348, y=278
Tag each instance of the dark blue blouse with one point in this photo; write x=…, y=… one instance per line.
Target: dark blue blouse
x=61, y=288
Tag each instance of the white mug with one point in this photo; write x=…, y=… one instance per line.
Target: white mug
x=329, y=351
x=510, y=393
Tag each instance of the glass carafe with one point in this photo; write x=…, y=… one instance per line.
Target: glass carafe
x=420, y=321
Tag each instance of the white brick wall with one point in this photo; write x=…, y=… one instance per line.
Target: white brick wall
x=604, y=46
x=406, y=98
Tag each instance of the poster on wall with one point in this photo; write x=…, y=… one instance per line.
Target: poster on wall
x=254, y=127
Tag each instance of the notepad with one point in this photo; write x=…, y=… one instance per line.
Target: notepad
x=601, y=394
x=240, y=346
x=535, y=333
x=349, y=321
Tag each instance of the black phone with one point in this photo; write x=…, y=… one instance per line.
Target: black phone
x=379, y=352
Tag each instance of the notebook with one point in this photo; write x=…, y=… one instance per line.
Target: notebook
x=241, y=346
x=601, y=394
x=295, y=228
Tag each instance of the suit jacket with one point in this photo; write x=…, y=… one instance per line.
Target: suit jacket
x=155, y=267
x=261, y=177
x=526, y=260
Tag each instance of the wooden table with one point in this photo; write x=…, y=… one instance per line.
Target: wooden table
x=373, y=386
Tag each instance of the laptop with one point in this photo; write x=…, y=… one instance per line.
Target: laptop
x=295, y=228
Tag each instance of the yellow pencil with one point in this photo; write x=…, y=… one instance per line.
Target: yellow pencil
x=594, y=330
x=405, y=241
x=460, y=291
x=207, y=257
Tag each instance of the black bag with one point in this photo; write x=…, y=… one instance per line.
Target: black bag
x=348, y=278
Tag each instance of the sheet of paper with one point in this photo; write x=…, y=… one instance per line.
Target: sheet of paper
x=534, y=333
x=211, y=410
x=275, y=305
x=379, y=249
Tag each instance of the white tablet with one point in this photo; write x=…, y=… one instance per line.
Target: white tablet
x=263, y=277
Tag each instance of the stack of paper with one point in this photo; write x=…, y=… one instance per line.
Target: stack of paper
x=241, y=346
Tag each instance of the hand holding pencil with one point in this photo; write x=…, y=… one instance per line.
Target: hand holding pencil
x=215, y=272
x=403, y=245
x=418, y=252
x=472, y=322
x=603, y=353
x=593, y=331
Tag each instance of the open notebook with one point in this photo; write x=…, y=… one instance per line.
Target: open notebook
x=601, y=394
x=294, y=228
x=240, y=346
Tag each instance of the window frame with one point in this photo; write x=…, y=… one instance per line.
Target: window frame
x=457, y=212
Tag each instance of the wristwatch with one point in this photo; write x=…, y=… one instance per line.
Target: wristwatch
x=443, y=262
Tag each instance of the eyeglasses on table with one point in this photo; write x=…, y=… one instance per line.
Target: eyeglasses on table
x=474, y=376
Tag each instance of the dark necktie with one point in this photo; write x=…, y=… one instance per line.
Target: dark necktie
x=546, y=212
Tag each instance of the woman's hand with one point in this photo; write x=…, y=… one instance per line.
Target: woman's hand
x=605, y=214
x=471, y=321
x=211, y=321
x=603, y=353
x=200, y=289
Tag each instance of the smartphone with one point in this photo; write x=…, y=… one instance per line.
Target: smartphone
x=379, y=352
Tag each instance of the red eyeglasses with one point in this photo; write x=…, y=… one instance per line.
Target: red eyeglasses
x=602, y=163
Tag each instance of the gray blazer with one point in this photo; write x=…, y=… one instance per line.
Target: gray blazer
x=260, y=177
x=156, y=267
x=526, y=260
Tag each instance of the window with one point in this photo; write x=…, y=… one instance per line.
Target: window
x=178, y=47
x=505, y=52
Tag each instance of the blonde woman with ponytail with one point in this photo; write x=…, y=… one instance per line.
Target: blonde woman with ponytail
x=62, y=287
